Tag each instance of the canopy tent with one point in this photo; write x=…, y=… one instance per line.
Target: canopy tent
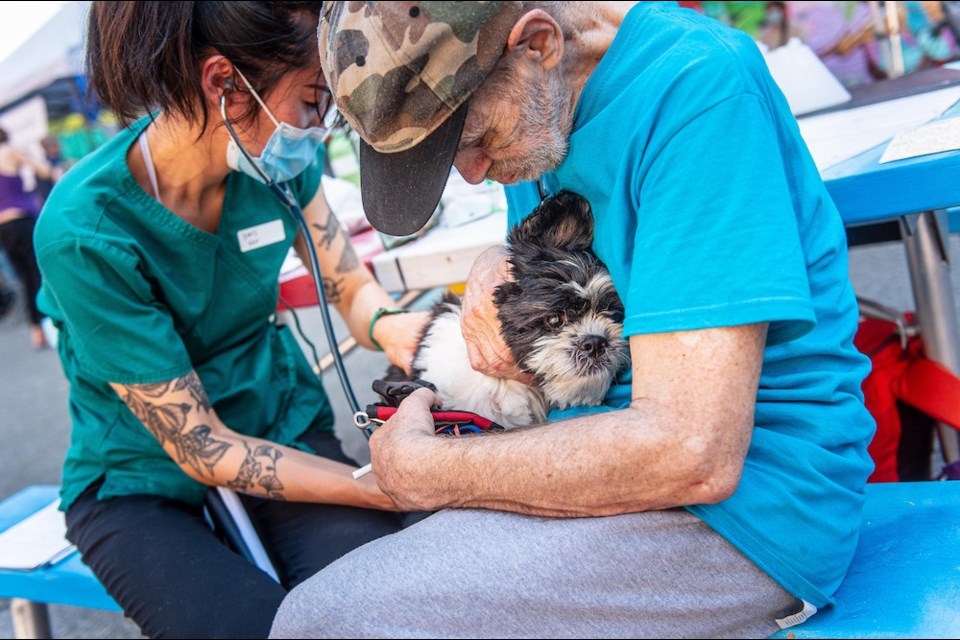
x=54, y=52
x=43, y=89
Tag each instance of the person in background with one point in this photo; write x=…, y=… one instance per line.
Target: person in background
x=853, y=40
x=51, y=151
x=18, y=216
x=777, y=28
x=928, y=30
x=840, y=33
x=719, y=490
x=161, y=253
x=8, y=288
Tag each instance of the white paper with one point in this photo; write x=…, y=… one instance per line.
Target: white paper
x=35, y=541
x=933, y=137
x=840, y=135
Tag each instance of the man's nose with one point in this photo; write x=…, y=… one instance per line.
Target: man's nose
x=473, y=165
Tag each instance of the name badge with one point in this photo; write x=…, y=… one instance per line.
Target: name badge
x=261, y=235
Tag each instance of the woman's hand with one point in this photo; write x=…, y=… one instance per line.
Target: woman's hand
x=399, y=335
x=488, y=352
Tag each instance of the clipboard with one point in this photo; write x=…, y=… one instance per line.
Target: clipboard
x=36, y=541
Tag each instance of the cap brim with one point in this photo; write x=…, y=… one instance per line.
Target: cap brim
x=401, y=190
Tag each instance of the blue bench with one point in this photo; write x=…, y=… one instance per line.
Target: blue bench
x=905, y=577
x=68, y=582
x=904, y=582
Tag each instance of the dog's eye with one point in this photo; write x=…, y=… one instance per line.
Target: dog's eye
x=555, y=321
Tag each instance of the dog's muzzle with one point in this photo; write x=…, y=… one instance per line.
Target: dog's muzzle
x=593, y=346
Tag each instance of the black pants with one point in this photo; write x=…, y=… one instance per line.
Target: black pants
x=172, y=576
x=16, y=238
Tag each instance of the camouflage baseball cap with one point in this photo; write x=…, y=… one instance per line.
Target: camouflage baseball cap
x=401, y=73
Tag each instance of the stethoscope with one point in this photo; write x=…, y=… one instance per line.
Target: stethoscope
x=285, y=195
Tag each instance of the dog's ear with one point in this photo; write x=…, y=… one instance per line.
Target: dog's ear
x=505, y=291
x=563, y=220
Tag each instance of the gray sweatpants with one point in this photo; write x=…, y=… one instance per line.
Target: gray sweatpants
x=465, y=573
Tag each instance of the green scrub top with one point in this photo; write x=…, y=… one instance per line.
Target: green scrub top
x=139, y=296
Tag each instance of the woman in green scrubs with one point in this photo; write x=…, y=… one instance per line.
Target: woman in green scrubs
x=160, y=254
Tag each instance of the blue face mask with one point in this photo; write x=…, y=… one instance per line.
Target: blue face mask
x=288, y=152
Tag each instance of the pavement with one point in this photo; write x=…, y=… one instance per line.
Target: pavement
x=34, y=423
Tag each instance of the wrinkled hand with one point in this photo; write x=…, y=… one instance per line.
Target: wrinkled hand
x=399, y=335
x=398, y=449
x=488, y=352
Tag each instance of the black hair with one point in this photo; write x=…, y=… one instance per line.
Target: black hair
x=3, y=136
x=147, y=55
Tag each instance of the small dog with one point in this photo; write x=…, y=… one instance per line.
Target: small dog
x=560, y=316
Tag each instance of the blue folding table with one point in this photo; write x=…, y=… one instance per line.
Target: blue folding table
x=916, y=191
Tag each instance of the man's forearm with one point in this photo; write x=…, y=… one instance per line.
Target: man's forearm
x=683, y=440
x=656, y=466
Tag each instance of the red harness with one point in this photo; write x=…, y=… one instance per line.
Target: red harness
x=446, y=422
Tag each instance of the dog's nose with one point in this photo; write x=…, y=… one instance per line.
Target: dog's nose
x=593, y=345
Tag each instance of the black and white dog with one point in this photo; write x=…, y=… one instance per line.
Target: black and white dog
x=560, y=317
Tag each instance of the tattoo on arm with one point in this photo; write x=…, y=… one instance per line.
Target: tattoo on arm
x=168, y=421
x=255, y=474
x=328, y=231
x=333, y=289
x=164, y=421
x=348, y=259
x=193, y=445
x=191, y=382
x=198, y=447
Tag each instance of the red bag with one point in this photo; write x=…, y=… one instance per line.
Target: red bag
x=907, y=394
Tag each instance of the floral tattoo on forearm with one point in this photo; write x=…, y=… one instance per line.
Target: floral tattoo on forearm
x=256, y=474
x=169, y=422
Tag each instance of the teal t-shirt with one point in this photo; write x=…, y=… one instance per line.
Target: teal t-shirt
x=140, y=295
x=709, y=212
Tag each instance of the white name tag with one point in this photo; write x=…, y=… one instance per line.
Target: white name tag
x=261, y=235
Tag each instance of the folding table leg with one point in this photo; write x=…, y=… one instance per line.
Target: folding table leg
x=927, y=242
x=30, y=619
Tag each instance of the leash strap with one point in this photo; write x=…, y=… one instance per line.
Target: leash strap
x=446, y=421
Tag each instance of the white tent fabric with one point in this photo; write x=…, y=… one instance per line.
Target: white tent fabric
x=55, y=51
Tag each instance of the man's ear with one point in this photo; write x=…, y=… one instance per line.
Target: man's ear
x=217, y=78
x=539, y=36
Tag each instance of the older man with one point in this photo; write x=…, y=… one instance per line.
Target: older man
x=719, y=493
